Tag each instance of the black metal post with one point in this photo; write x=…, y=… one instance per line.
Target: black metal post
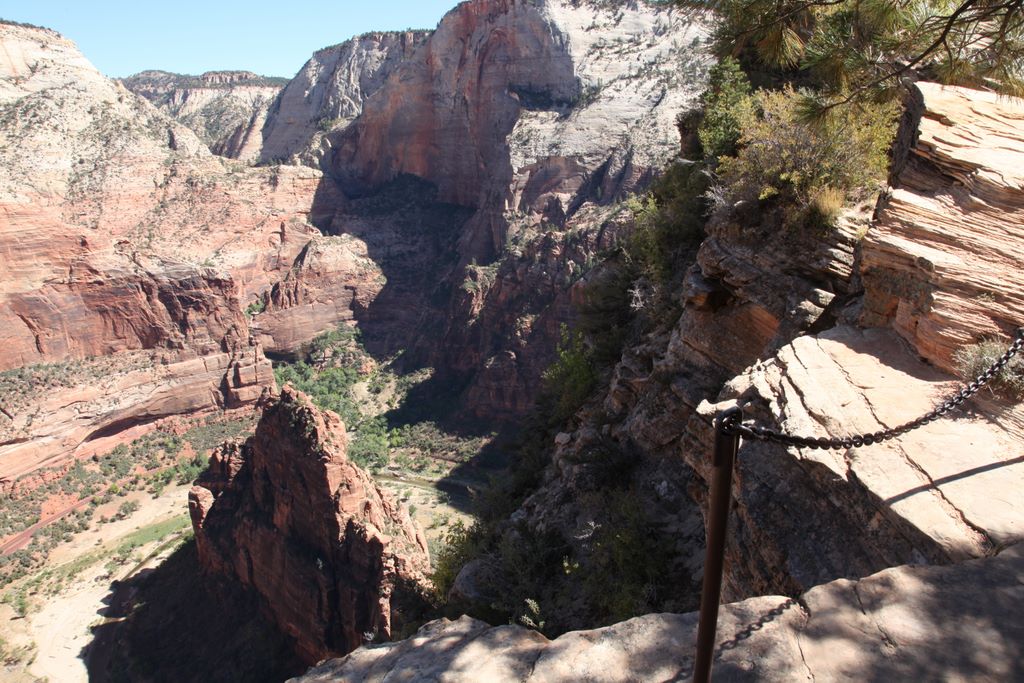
x=727, y=444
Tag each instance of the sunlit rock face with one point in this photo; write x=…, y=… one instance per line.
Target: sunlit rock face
x=332, y=555
x=329, y=90
x=900, y=624
x=529, y=107
x=226, y=109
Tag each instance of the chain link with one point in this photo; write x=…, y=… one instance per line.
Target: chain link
x=731, y=423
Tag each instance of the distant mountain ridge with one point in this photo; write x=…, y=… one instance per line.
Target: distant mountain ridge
x=226, y=109
x=159, y=81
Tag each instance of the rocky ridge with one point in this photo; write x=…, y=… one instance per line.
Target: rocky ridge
x=335, y=559
x=227, y=109
x=826, y=336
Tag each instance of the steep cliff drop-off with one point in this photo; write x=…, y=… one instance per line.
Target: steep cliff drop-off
x=128, y=253
x=329, y=90
x=335, y=559
x=481, y=174
x=227, y=109
x=847, y=352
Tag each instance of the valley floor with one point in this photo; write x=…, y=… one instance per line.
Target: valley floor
x=62, y=601
x=48, y=620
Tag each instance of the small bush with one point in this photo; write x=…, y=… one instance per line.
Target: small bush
x=460, y=545
x=570, y=379
x=127, y=508
x=805, y=167
x=256, y=307
x=975, y=359
x=669, y=221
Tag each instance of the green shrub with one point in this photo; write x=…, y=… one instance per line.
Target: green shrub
x=604, y=312
x=784, y=159
x=570, y=379
x=328, y=376
x=460, y=545
x=531, y=617
x=370, y=444
x=727, y=104
x=615, y=584
x=975, y=359
x=256, y=307
x=127, y=509
x=668, y=221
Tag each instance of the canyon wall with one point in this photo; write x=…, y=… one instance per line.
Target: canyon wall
x=538, y=108
x=127, y=253
x=335, y=559
x=329, y=90
x=528, y=120
x=472, y=172
x=830, y=335
x=227, y=109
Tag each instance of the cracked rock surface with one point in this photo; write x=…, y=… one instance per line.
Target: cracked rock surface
x=946, y=492
x=959, y=622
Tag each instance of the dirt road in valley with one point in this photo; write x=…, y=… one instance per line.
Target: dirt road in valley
x=21, y=539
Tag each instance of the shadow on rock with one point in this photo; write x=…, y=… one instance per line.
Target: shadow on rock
x=174, y=624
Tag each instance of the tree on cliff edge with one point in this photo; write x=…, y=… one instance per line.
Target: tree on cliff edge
x=864, y=49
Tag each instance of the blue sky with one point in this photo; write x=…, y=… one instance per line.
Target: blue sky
x=192, y=36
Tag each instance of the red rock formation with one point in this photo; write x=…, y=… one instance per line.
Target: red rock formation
x=333, y=280
x=290, y=516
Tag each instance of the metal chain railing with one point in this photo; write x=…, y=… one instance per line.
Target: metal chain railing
x=729, y=428
x=732, y=423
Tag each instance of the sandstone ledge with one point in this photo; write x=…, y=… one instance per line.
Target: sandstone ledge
x=943, y=493
x=907, y=623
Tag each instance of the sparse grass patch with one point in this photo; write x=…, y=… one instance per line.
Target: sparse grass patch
x=975, y=359
x=151, y=462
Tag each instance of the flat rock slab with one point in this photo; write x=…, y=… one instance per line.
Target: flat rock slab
x=910, y=623
x=958, y=480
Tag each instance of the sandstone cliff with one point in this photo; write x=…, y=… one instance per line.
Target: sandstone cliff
x=123, y=239
x=329, y=90
x=143, y=338
x=332, y=280
x=334, y=557
x=227, y=109
x=528, y=120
